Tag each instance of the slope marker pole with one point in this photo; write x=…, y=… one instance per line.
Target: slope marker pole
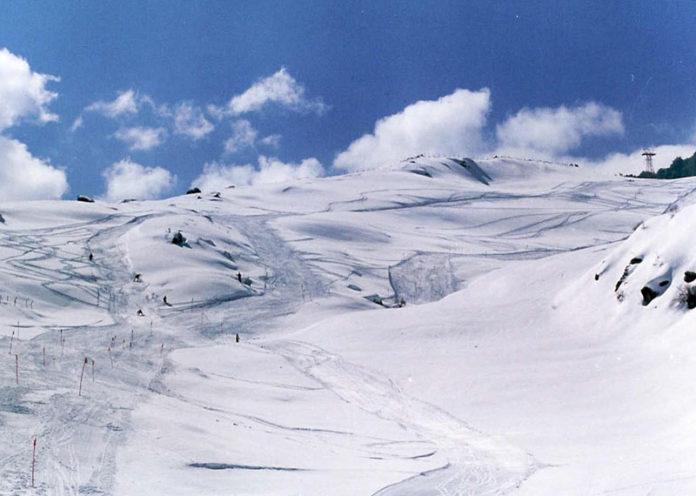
x=33, y=463
x=82, y=374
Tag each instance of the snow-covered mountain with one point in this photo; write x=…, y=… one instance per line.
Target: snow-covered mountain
x=440, y=326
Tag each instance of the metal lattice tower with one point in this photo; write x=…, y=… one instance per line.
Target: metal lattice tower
x=648, y=154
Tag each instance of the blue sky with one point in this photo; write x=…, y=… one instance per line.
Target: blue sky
x=144, y=99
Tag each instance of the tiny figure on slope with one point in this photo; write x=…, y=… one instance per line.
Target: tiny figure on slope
x=164, y=299
x=140, y=313
x=239, y=276
x=137, y=277
x=236, y=338
x=91, y=256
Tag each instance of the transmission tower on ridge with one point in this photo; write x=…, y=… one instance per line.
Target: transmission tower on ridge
x=648, y=154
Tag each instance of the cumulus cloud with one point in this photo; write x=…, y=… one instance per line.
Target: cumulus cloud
x=272, y=170
x=452, y=125
x=243, y=135
x=141, y=138
x=553, y=131
x=280, y=88
x=127, y=179
x=218, y=176
x=23, y=92
x=25, y=177
x=23, y=95
x=125, y=103
x=190, y=121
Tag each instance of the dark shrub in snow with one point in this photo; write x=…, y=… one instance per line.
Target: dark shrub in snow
x=689, y=276
x=84, y=198
x=179, y=239
x=648, y=295
x=193, y=191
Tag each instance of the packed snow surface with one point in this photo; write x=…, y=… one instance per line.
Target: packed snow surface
x=438, y=327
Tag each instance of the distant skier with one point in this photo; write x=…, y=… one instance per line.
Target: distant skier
x=164, y=299
x=239, y=276
x=236, y=338
x=140, y=313
x=91, y=256
x=137, y=277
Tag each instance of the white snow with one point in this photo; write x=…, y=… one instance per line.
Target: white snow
x=516, y=366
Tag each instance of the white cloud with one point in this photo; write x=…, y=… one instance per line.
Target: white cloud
x=217, y=113
x=280, y=88
x=23, y=93
x=25, y=177
x=77, y=124
x=450, y=125
x=190, y=121
x=272, y=170
x=141, y=138
x=272, y=140
x=243, y=135
x=218, y=176
x=127, y=179
x=553, y=131
x=125, y=103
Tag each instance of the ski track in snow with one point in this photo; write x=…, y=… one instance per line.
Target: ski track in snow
x=79, y=435
x=478, y=464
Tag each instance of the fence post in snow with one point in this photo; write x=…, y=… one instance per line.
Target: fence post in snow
x=82, y=374
x=17, y=369
x=33, y=463
x=11, y=339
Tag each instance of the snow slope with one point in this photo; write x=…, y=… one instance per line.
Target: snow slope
x=517, y=365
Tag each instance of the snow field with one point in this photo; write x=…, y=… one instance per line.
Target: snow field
x=509, y=370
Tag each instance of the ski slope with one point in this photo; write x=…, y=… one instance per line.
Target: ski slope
x=437, y=327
